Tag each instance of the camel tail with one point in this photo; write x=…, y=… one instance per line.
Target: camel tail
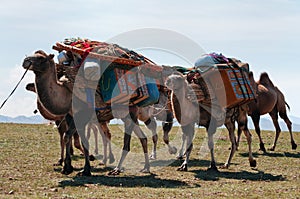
x=287, y=105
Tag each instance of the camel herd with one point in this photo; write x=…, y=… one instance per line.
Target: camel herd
x=56, y=102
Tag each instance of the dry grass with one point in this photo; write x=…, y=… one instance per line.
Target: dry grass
x=29, y=151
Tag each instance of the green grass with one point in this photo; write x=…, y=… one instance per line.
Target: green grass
x=29, y=151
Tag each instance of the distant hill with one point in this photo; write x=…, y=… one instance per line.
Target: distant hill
x=266, y=123
x=36, y=119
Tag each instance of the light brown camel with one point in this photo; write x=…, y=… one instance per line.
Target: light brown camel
x=269, y=99
x=58, y=99
x=189, y=113
x=61, y=126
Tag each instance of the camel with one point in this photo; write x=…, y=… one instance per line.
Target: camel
x=58, y=99
x=188, y=114
x=61, y=126
x=149, y=115
x=269, y=99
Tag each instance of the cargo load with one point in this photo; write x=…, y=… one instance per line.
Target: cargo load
x=120, y=82
x=227, y=77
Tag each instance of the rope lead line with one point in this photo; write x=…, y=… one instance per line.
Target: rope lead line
x=14, y=89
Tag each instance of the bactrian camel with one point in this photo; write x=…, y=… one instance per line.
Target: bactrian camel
x=269, y=99
x=189, y=113
x=58, y=99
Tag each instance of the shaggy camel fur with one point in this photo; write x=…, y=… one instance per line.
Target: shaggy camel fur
x=189, y=113
x=269, y=99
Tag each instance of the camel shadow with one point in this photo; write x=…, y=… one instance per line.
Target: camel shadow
x=192, y=163
x=149, y=180
x=273, y=154
x=241, y=175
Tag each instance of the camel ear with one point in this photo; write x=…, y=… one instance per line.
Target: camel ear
x=50, y=56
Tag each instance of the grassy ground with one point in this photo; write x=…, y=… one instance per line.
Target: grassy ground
x=29, y=151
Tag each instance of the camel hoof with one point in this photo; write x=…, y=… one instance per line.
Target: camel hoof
x=145, y=170
x=253, y=163
x=114, y=172
x=92, y=158
x=102, y=163
x=173, y=150
x=59, y=163
x=225, y=166
x=111, y=159
x=67, y=170
x=183, y=168
x=84, y=173
x=272, y=148
x=152, y=156
x=262, y=147
x=294, y=146
x=213, y=168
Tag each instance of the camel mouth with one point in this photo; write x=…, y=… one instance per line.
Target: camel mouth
x=27, y=63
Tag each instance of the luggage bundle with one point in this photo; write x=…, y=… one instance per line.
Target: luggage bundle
x=115, y=68
x=221, y=80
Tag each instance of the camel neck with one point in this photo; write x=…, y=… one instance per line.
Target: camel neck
x=56, y=98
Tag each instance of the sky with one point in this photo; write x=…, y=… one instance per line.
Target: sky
x=264, y=34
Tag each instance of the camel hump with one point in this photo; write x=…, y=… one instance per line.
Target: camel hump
x=265, y=80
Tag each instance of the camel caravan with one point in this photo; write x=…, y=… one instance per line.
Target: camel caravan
x=94, y=82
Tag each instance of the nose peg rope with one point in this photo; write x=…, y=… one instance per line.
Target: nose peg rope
x=14, y=88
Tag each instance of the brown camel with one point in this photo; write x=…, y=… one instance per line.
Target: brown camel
x=58, y=99
x=189, y=113
x=269, y=99
x=61, y=126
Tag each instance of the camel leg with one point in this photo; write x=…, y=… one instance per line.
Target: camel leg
x=244, y=127
x=210, y=133
x=62, y=128
x=143, y=139
x=284, y=116
x=248, y=135
x=274, y=116
x=152, y=126
x=106, y=140
x=167, y=126
x=230, y=127
x=82, y=118
x=255, y=118
x=180, y=155
x=77, y=142
x=92, y=128
x=131, y=124
x=68, y=168
x=239, y=133
x=105, y=143
x=188, y=131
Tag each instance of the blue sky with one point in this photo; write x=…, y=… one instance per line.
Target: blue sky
x=263, y=33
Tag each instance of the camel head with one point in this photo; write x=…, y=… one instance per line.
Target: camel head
x=175, y=82
x=39, y=62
